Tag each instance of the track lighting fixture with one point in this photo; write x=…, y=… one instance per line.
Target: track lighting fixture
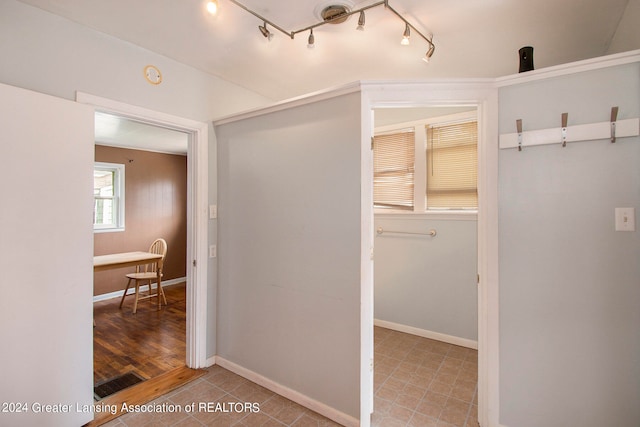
x=212, y=6
x=360, y=26
x=265, y=32
x=334, y=14
x=429, y=54
x=311, y=41
x=406, y=36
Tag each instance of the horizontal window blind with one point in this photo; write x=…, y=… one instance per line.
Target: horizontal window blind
x=393, y=170
x=452, y=166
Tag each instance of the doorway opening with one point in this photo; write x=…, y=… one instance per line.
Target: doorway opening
x=136, y=339
x=426, y=265
x=483, y=96
x=196, y=218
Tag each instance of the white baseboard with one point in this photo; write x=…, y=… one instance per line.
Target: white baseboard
x=145, y=288
x=301, y=399
x=463, y=342
x=210, y=361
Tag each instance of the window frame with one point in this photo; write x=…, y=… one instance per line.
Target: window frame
x=118, y=170
x=420, y=167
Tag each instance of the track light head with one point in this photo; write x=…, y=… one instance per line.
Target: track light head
x=360, y=26
x=265, y=32
x=212, y=6
x=429, y=54
x=430, y=51
x=406, y=35
x=311, y=41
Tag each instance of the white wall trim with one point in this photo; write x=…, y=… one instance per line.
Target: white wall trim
x=435, y=216
x=211, y=361
x=570, y=68
x=144, y=288
x=197, y=209
x=483, y=94
x=424, y=333
x=488, y=256
x=299, y=398
x=291, y=103
x=353, y=87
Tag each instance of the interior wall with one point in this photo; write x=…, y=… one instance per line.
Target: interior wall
x=427, y=282
x=155, y=206
x=289, y=249
x=46, y=192
x=569, y=312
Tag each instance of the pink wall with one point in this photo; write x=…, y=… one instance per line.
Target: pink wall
x=155, y=206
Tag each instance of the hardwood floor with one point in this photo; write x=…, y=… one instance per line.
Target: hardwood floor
x=149, y=343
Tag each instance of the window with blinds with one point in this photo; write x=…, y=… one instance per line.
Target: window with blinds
x=393, y=170
x=452, y=171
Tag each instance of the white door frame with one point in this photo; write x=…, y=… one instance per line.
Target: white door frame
x=197, y=220
x=483, y=94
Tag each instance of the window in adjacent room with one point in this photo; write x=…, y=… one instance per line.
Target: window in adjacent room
x=427, y=165
x=393, y=170
x=108, y=195
x=452, y=166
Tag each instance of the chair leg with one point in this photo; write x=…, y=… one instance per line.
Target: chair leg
x=163, y=297
x=125, y=292
x=135, y=303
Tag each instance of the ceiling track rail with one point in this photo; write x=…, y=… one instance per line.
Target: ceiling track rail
x=385, y=3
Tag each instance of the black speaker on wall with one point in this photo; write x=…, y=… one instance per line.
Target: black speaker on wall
x=526, y=59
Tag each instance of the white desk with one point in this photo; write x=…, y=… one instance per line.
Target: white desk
x=128, y=259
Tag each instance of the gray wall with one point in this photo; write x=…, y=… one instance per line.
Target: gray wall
x=49, y=54
x=428, y=282
x=289, y=248
x=569, y=291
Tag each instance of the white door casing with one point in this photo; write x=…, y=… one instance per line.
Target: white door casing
x=197, y=213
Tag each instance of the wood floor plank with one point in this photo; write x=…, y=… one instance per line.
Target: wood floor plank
x=150, y=342
x=145, y=392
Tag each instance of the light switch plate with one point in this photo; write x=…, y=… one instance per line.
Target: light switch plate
x=625, y=219
x=213, y=211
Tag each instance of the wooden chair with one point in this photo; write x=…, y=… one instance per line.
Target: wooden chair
x=147, y=273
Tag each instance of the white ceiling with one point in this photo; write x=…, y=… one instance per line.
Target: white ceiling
x=117, y=131
x=473, y=38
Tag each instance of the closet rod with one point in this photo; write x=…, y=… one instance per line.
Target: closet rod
x=431, y=232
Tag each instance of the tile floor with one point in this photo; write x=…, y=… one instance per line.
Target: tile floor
x=224, y=387
x=418, y=383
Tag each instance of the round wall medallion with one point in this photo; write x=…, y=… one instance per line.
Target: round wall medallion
x=152, y=75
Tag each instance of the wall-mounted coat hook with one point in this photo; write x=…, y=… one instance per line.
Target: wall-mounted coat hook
x=565, y=119
x=614, y=129
x=614, y=119
x=519, y=128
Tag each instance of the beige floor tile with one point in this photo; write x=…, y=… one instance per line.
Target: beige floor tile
x=418, y=383
x=188, y=422
x=430, y=409
x=421, y=420
x=389, y=422
x=290, y=413
x=400, y=413
x=407, y=401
